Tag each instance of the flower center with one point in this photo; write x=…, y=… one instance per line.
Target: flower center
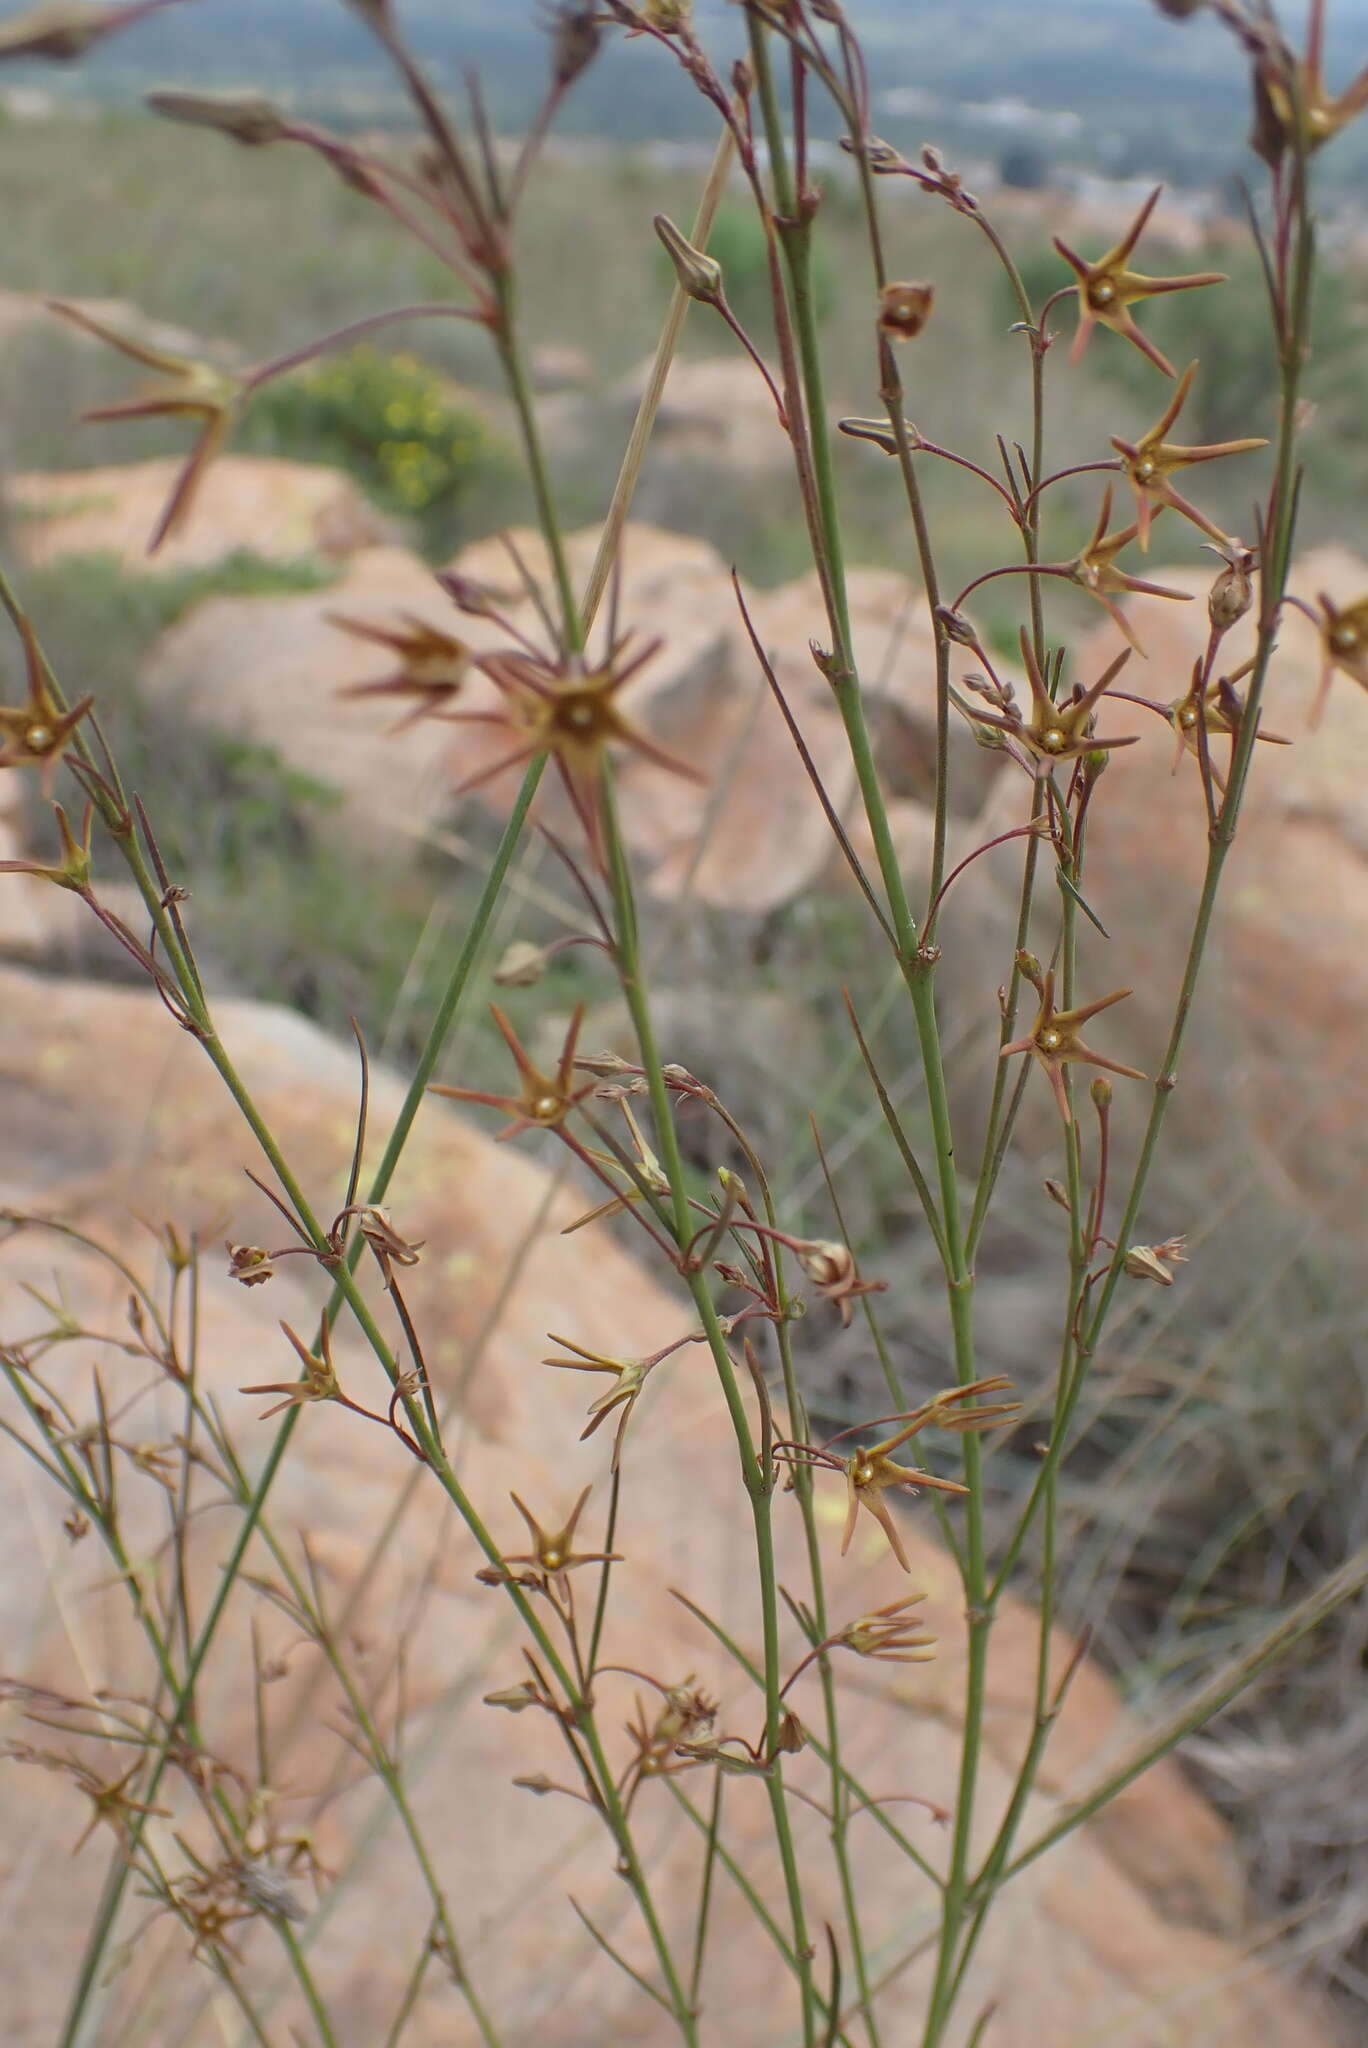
x=551, y=1559
x=1345, y=639
x=579, y=714
x=1051, y=1041
x=1144, y=470
x=1053, y=740
x=1103, y=294
x=38, y=739
x=1188, y=716
x=546, y=1108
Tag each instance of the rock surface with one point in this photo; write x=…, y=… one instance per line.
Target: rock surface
x=263, y=505
x=1130, y=1933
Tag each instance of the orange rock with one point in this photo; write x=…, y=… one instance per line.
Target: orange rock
x=1131, y=1931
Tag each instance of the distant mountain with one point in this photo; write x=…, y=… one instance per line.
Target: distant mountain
x=1106, y=84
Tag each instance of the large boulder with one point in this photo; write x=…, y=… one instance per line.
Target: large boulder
x=263, y=505
x=1132, y=1928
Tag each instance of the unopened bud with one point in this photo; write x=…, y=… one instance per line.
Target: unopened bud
x=1055, y=1190
x=522, y=965
x=1101, y=1093
x=575, y=42
x=699, y=275
x=516, y=1698
x=1231, y=595
x=904, y=309
x=66, y=29
x=668, y=16
x=1029, y=966
x=244, y=117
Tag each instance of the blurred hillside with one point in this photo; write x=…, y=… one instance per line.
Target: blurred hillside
x=1011, y=81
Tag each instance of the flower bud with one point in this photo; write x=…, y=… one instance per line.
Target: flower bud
x=244, y=117
x=1231, y=595
x=1055, y=1190
x=522, y=965
x=1101, y=1093
x=699, y=275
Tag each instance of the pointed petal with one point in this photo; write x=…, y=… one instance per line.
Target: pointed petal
x=878, y=1507
x=1133, y=233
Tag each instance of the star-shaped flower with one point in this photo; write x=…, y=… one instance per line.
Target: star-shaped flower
x=1053, y=1040
x=1344, y=646
x=1057, y=730
x=1107, y=289
x=1290, y=95
x=38, y=732
x=570, y=711
x=1094, y=569
x=320, y=1382
x=546, y=1099
x=431, y=666
x=1220, y=708
x=869, y=1472
x=1149, y=461
x=551, y=1556
x=185, y=388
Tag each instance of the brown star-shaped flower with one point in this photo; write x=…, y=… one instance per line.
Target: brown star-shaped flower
x=1108, y=289
x=38, y=732
x=568, y=709
x=1149, y=462
x=546, y=1099
x=1053, y=1040
x=186, y=389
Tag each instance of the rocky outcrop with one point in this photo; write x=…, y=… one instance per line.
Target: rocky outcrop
x=262, y=505
x=1132, y=1930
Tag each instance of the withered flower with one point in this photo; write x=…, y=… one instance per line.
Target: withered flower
x=904, y=310
x=1152, y=1261
x=1149, y=462
x=377, y=1228
x=430, y=670
x=890, y=1633
x=569, y=711
x=1053, y=1041
x=320, y=1382
x=831, y=1269
x=650, y=1174
x=185, y=388
x=250, y=1264
x=546, y=1099
x=629, y=1377
x=37, y=733
x=1107, y=289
